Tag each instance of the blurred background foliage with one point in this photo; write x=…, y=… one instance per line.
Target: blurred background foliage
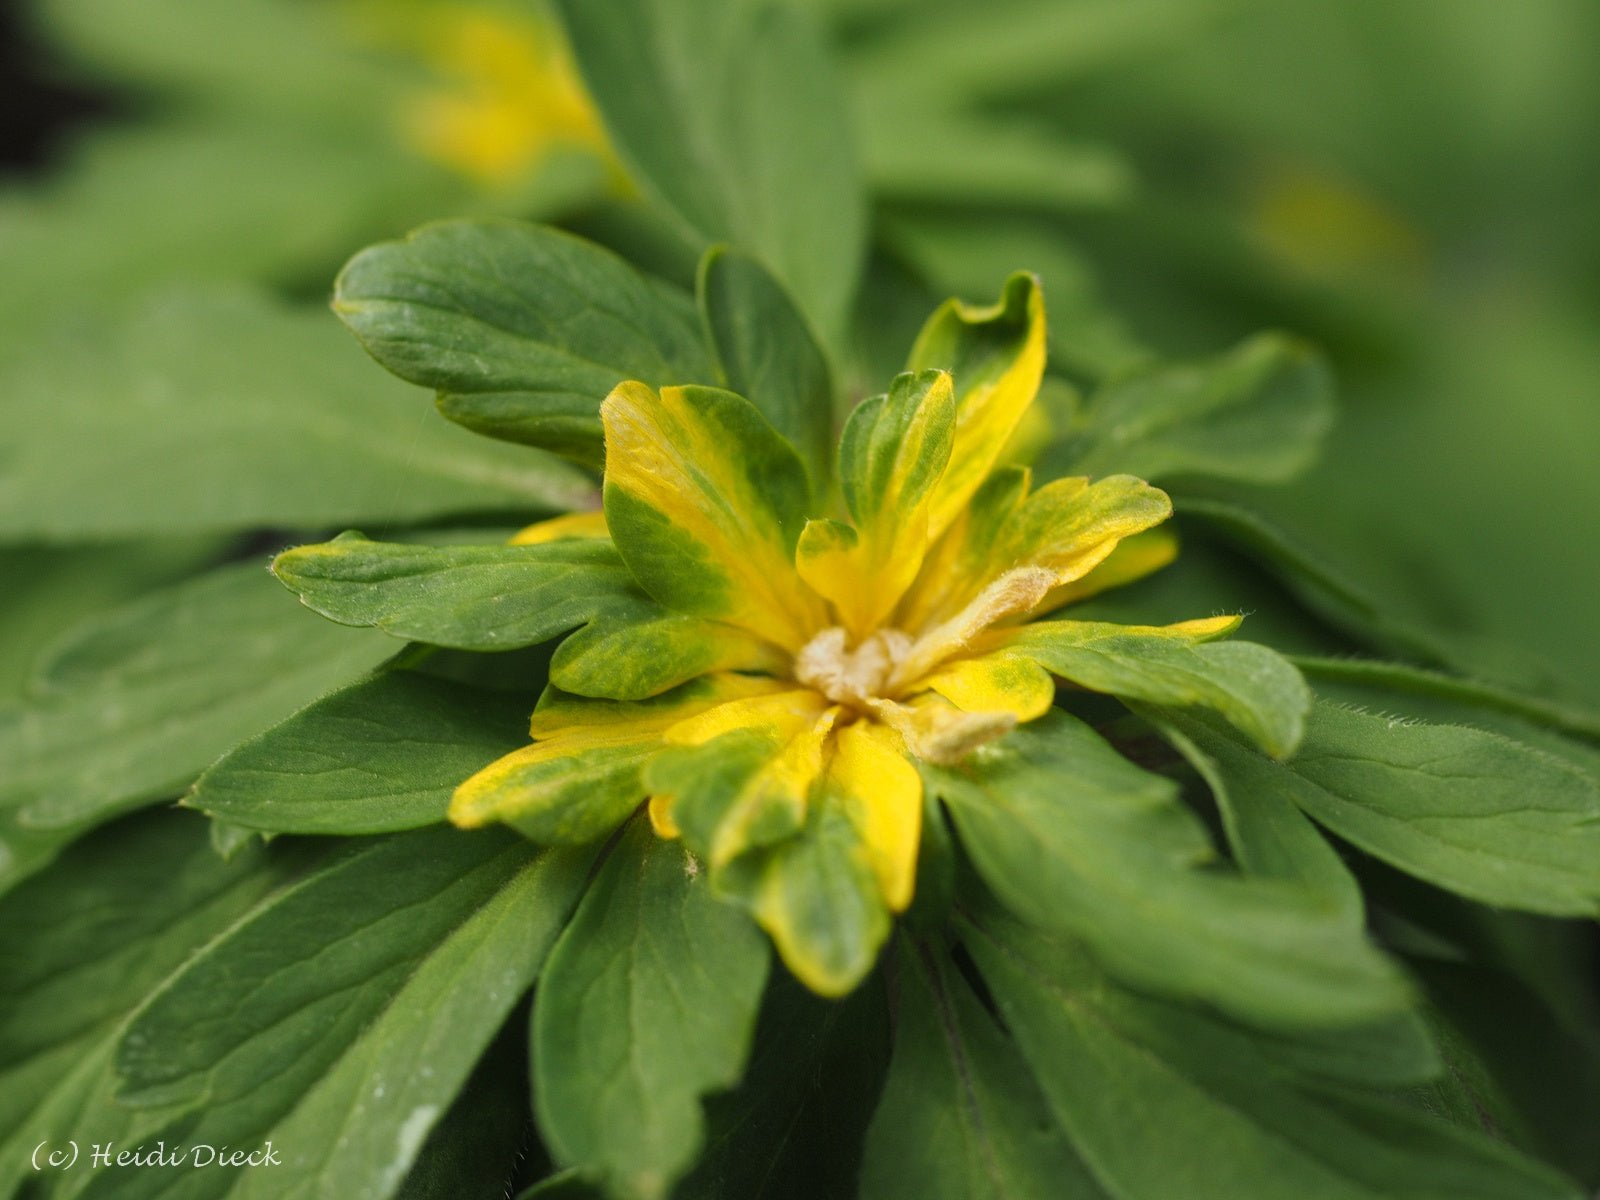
x=1409, y=183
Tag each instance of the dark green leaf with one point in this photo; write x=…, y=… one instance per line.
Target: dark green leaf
x=1256, y=414
x=1462, y=695
x=647, y=1004
x=365, y=1119
x=960, y=1115
x=522, y=330
x=733, y=116
x=477, y=1147
x=81, y=945
x=792, y=1129
x=1268, y=835
x=1516, y=1068
x=139, y=701
x=1322, y=587
x=380, y=755
x=768, y=354
x=275, y=422
x=1468, y=810
x=1162, y=1100
x=1072, y=836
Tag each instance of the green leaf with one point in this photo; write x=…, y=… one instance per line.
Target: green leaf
x=380, y=755
x=197, y=197
x=1073, y=837
x=500, y=597
x=49, y=589
x=368, y=988
x=1470, y=811
x=479, y=1146
x=962, y=257
x=1256, y=689
x=1158, y=1098
x=1256, y=414
x=1514, y=1065
x=733, y=116
x=950, y=56
x=767, y=353
x=925, y=158
x=275, y=422
x=1322, y=587
x=82, y=944
x=792, y=1129
x=1452, y=693
x=136, y=703
x=362, y=1124
x=647, y=1004
x=960, y=1115
x=1268, y=835
x=522, y=330
x=895, y=447
x=493, y=597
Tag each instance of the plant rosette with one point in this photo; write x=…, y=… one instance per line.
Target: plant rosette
x=777, y=684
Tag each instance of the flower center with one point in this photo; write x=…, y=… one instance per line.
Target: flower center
x=852, y=676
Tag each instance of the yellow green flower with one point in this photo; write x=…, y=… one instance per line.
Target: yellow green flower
x=507, y=94
x=835, y=653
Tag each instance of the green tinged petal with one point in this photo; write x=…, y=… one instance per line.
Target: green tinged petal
x=892, y=454
x=705, y=501
x=996, y=356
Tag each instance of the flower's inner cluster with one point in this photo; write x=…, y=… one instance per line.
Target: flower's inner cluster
x=877, y=676
x=854, y=677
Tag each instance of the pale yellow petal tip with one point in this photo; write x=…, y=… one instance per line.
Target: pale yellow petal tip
x=819, y=977
x=469, y=809
x=660, y=810
x=572, y=525
x=1207, y=628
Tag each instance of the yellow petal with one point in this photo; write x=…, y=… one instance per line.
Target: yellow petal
x=996, y=355
x=1007, y=683
x=561, y=712
x=572, y=525
x=660, y=810
x=784, y=752
x=882, y=794
x=1131, y=560
x=892, y=454
x=705, y=502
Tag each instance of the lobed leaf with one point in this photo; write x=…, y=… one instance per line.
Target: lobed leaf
x=275, y=422
x=733, y=117
x=124, y=908
x=1073, y=837
x=383, y=754
x=960, y=1114
x=137, y=702
x=365, y=1122
x=995, y=356
x=1471, y=811
x=1257, y=414
x=647, y=1004
x=1258, y=691
x=521, y=329
x=1158, y=1098
x=705, y=501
